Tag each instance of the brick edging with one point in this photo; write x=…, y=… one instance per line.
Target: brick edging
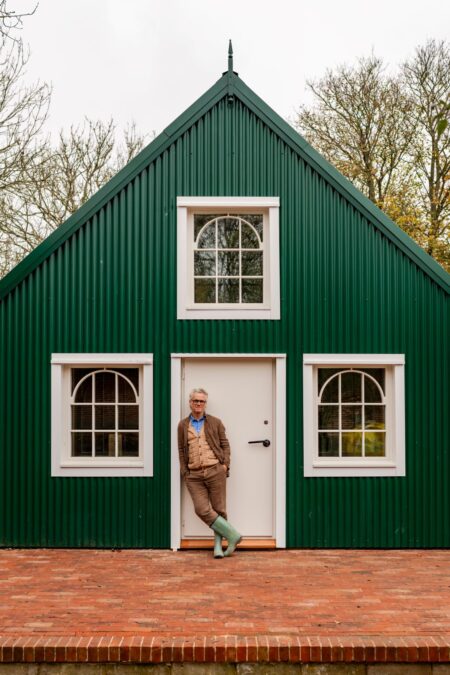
x=225, y=649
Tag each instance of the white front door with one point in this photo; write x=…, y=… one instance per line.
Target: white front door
x=241, y=393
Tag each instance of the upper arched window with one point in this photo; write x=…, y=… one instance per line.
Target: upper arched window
x=228, y=259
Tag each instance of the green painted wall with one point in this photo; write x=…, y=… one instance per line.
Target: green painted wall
x=111, y=287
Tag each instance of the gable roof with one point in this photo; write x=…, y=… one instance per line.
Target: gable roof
x=230, y=84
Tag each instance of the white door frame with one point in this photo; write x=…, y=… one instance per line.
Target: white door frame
x=280, y=442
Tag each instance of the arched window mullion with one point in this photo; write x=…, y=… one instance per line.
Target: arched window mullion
x=351, y=370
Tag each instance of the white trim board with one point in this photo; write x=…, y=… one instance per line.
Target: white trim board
x=394, y=464
x=186, y=307
x=280, y=441
x=225, y=202
x=62, y=465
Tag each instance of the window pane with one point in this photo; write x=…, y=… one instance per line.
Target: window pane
x=351, y=387
x=328, y=445
x=255, y=219
x=351, y=416
x=81, y=417
x=252, y=290
x=205, y=290
x=328, y=417
x=331, y=392
x=126, y=393
x=81, y=444
x=105, y=417
x=351, y=444
x=200, y=219
x=228, y=290
x=375, y=444
x=378, y=374
x=105, y=445
x=131, y=374
x=204, y=263
x=371, y=392
x=78, y=374
x=374, y=416
x=252, y=264
x=128, y=445
x=248, y=237
x=228, y=233
x=84, y=391
x=207, y=238
x=228, y=263
x=105, y=387
x=129, y=417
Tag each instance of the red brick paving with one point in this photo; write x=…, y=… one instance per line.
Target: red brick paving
x=308, y=605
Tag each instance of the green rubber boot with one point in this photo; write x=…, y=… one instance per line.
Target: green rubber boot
x=223, y=527
x=218, y=550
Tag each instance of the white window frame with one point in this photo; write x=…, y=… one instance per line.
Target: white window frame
x=186, y=207
x=62, y=462
x=393, y=464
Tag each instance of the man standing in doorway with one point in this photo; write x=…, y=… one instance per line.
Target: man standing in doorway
x=205, y=464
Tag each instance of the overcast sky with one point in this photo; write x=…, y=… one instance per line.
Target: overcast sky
x=147, y=60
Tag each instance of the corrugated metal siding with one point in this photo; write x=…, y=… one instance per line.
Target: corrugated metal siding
x=111, y=288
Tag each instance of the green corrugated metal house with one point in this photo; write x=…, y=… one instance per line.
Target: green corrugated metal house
x=227, y=255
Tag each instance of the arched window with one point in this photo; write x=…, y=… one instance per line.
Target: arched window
x=228, y=251
x=352, y=414
x=228, y=259
x=105, y=413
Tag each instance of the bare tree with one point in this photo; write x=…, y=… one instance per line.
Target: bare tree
x=362, y=123
x=58, y=181
x=41, y=185
x=84, y=160
x=11, y=20
x=427, y=80
x=23, y=111
x=390, y=136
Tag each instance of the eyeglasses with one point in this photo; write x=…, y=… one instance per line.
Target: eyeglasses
x=197, y=400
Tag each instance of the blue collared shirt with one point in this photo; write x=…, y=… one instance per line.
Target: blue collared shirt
x=197, y=424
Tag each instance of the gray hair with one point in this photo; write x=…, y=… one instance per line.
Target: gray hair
x=197, y=391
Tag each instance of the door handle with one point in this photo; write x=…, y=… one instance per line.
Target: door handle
x=265, y=442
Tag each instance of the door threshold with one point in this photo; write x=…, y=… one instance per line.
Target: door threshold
x=247, y=542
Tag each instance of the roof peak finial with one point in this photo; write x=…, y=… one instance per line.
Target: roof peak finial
x=230, y=57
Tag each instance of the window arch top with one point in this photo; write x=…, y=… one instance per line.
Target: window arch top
x=104, y=386
x=352, y=386
x=229, y=232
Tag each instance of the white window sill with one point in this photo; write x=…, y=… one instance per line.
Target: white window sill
x=245, y=313
x=318, y=464
x=101, y=465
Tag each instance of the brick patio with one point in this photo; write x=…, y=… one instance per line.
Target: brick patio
x=152, y=606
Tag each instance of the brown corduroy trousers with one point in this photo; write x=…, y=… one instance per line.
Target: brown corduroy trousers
x=208, y=489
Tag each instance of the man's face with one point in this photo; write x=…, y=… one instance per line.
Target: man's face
x=198, y=404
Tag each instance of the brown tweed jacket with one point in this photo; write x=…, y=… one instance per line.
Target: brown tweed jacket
x=215, y=435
